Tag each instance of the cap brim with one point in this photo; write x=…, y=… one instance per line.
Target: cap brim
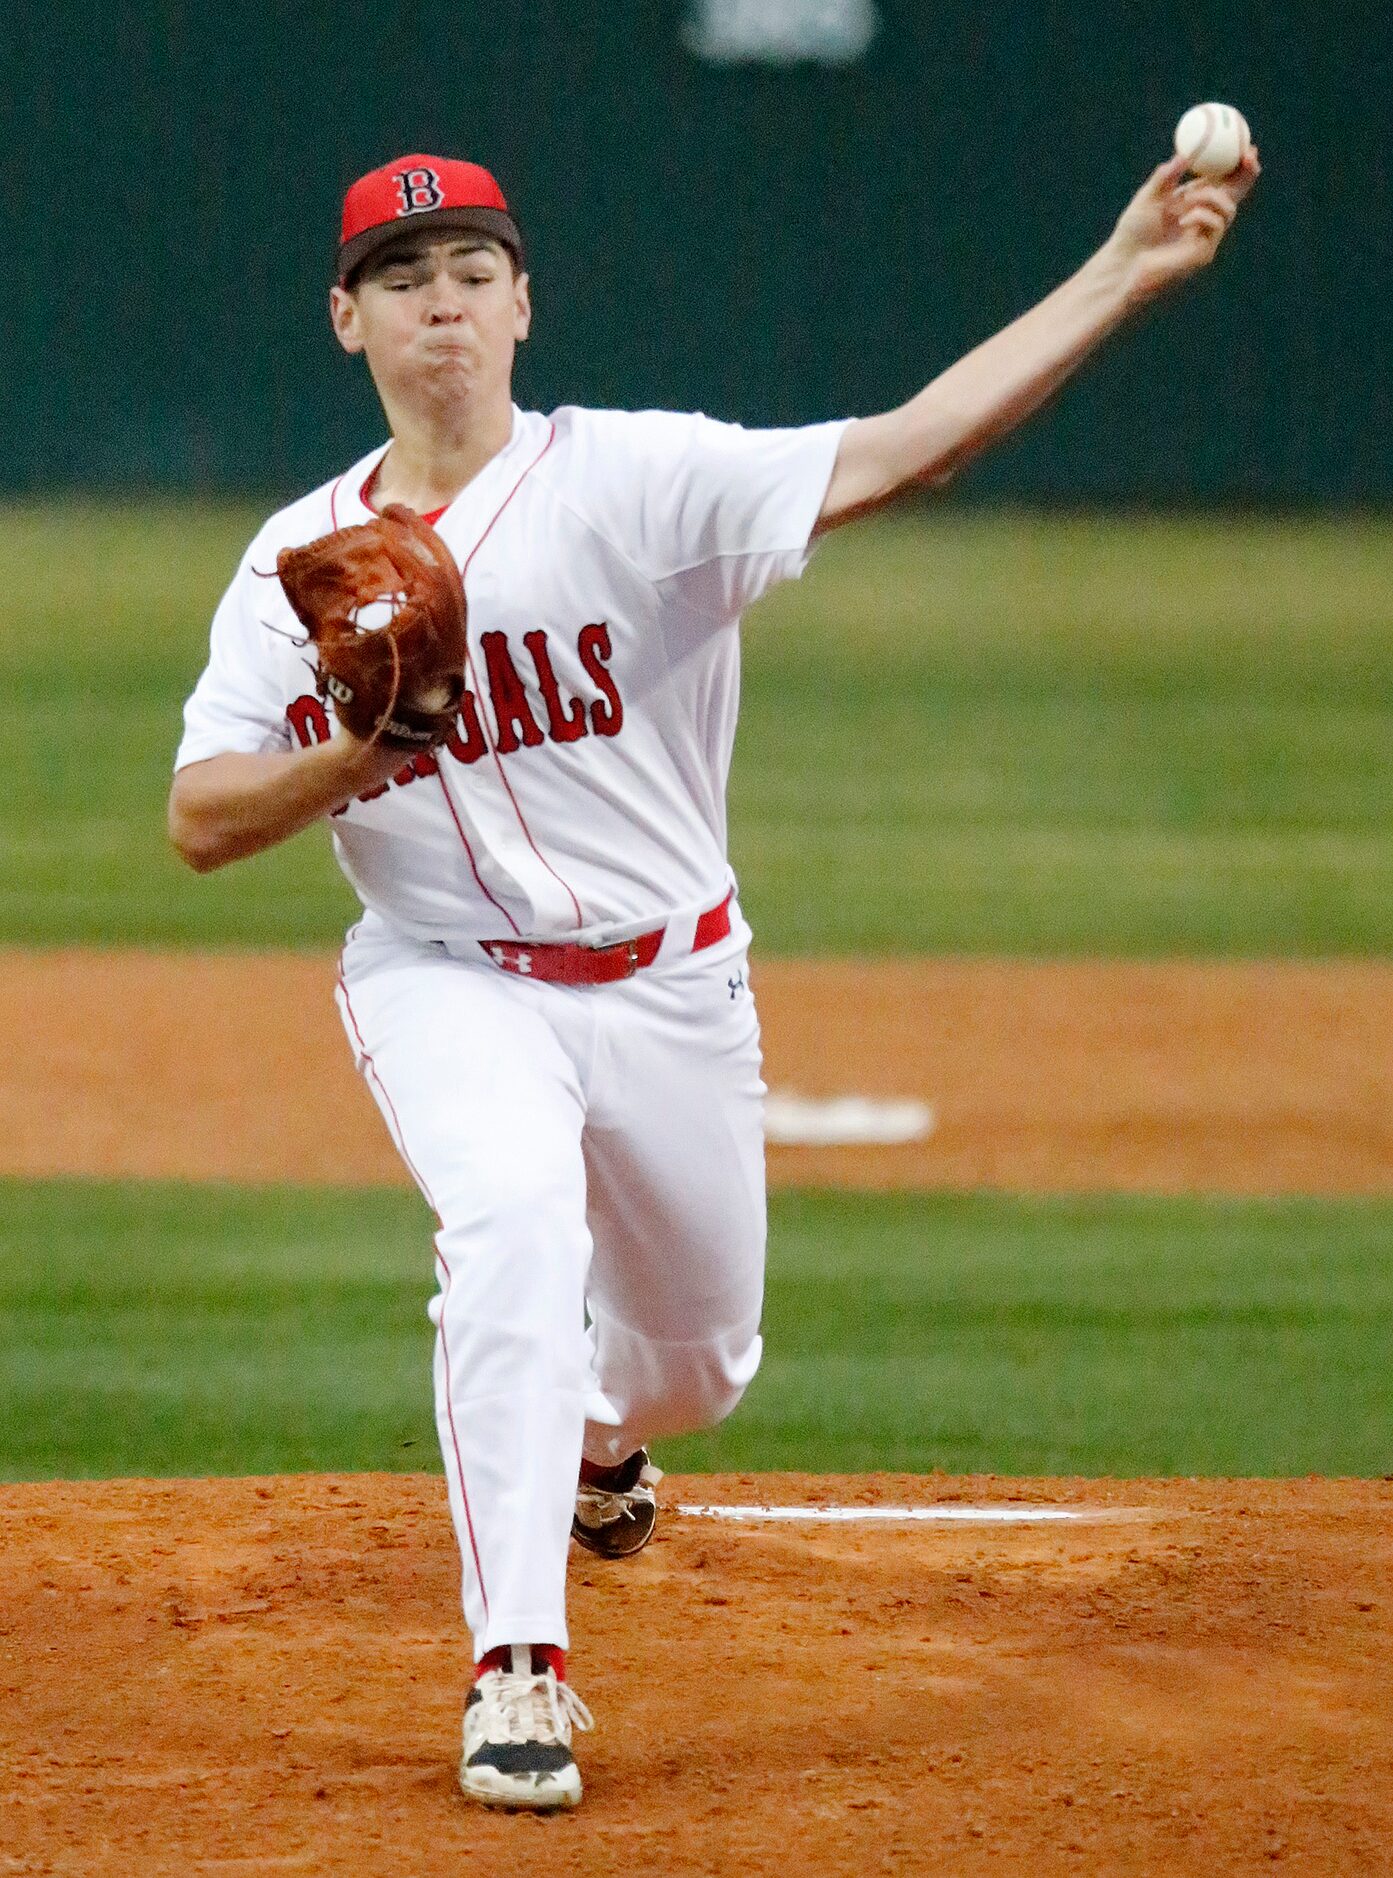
x=481, y=221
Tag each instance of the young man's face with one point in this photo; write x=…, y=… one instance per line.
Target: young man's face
x=435, y=318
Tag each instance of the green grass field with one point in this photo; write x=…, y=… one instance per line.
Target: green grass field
x=965, y=733
x=977, y=734
x=163, y=1329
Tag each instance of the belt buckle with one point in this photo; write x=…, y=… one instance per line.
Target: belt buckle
x=628, y=948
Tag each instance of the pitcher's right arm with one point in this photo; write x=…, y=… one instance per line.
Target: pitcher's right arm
x=227, y=807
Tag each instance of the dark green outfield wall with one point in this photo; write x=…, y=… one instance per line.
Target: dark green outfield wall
x=774, y=243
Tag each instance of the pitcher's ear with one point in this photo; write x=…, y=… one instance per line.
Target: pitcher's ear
x=343, y=317
x=522, y=307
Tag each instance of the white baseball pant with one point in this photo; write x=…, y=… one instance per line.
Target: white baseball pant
x=587, y=1151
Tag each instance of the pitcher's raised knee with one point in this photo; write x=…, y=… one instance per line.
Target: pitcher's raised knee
x=725, y=1374
x=665, y=1388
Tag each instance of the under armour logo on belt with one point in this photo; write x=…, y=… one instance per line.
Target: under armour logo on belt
x=511, y=959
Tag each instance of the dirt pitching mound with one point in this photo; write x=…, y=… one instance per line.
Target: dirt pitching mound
x=1170, y=1078
x=256, y=1676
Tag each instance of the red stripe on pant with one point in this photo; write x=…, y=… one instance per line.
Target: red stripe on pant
x=400, y=1140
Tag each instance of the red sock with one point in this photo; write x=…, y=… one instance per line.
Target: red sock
x=619, y=1478
x=545, y=1656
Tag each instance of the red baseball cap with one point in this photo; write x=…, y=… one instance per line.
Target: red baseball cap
x=417, y=192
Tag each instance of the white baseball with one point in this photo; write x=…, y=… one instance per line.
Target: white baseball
x=1212, y=138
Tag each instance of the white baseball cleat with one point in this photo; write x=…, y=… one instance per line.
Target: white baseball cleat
x=517, y=1738
x=617, y=1507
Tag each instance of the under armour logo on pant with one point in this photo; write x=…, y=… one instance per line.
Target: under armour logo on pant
x=737, y=984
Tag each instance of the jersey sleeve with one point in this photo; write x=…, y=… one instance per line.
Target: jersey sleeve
x=237, y=704
x=719, y=514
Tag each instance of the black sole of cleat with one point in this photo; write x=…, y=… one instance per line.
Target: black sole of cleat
x=605, y=1542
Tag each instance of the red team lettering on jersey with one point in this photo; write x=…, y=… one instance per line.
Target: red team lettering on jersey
x=606, y=559
x=567, y=718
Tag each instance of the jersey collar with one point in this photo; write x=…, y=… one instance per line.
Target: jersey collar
x=475, y=495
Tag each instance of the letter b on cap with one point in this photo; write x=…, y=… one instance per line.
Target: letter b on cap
x=418, y=189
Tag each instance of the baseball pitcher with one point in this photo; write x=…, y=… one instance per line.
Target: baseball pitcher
x=500, y=656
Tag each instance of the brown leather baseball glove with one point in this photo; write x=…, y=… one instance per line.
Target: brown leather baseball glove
x=383, y=603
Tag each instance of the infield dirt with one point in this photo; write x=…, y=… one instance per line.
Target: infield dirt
x=1168, y=1077
x=254, y=1676
x=231, y=1676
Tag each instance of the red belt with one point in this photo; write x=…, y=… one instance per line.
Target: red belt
x=600, y=965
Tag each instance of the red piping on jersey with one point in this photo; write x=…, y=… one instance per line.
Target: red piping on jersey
x=474, y=869
x=473, y=864
x=400, y=1140
x=478, y=690
x=334, y=502
x=365, y=496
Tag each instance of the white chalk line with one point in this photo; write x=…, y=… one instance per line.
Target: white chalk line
x=947, y=1515
x=793, y=1120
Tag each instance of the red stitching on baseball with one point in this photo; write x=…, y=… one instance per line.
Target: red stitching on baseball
x=1210, y=126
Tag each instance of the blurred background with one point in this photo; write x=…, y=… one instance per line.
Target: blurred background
x=1125, y=691
x=774, y=210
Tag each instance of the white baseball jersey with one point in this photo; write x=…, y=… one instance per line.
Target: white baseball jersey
x=607, y=557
